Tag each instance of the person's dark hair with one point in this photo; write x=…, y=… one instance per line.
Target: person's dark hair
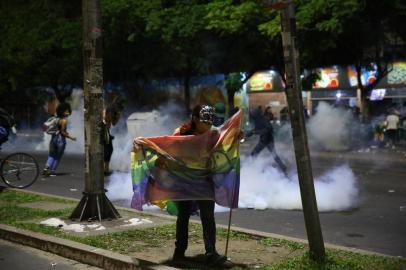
x=114, y=113
x=191, y=124
x=62, y=108
x=195, y=113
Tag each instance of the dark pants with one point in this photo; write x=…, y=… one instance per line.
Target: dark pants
x=108, y=151
x=185, y=209
x=271, y=147
x=391, y=136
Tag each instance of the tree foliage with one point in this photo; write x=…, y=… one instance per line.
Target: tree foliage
x=41, y=43
x=150, y=39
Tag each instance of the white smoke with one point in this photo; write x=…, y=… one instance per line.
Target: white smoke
x=75, y=126
x=329, y=128
x=263, y=186
x=119, y=187
x=76, y=123
x=162, y=121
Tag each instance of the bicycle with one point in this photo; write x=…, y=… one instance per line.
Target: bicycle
x=19, y=170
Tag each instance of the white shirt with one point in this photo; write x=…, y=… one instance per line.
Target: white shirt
x=393, y=121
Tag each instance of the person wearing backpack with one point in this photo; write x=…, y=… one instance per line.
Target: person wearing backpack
x=58, y=140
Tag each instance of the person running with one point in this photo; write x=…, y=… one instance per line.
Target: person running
x=266, y=140
x=58, y=140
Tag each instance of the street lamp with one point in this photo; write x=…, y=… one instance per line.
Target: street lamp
x=296, y=113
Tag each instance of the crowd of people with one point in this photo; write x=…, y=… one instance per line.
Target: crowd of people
x=390, y=130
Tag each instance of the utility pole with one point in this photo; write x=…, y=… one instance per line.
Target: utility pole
x=296, y=113
x=94, y=203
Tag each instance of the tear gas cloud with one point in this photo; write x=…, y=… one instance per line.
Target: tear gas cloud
x=262, y=185
x=329, y=128
x=162, y=121
x=75, y=126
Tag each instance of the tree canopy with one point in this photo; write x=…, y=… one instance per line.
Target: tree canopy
x=148, y=39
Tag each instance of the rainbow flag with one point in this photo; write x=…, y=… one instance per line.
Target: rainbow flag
x=193, y=167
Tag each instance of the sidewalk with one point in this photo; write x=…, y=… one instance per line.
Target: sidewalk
x=138, y=240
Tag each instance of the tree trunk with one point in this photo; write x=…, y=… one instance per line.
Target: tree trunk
x=300, y=143
x=365, y=106
x=94, y=203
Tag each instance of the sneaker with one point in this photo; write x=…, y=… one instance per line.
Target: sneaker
x=213, y=258
x=52, y=174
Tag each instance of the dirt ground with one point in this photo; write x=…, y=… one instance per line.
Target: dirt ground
x=241, y=253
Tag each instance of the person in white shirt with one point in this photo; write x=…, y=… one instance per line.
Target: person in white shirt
x=392, y=122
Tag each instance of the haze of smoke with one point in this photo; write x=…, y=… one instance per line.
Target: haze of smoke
x=75, y=126
x=263, y=186
x=162, y=121
x=329, y=128
x=76, y=123
x=120, y=187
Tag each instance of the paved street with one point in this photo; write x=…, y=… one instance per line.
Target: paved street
x=19, y=257
x=377, y=224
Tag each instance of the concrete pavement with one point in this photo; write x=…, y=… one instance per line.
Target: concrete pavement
x=21, y=257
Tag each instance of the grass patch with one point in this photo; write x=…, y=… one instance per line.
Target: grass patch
x=11, y=213
x=340, y=260
x=17, y=197
x=273, y=242
x=11, y=196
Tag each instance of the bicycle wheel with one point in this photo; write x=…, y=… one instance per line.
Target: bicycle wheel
x=19, y=170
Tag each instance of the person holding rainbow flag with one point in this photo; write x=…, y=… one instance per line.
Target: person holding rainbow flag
x=197, y=166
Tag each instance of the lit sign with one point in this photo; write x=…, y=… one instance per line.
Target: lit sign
x=262, y=81
x=328, y=78
x=398, y=73
x=378, y=94
x=367, y=76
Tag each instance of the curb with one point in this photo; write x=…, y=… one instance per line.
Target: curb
x=76, y=251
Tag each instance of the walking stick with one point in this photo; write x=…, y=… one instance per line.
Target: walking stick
x=228, y=230
x=232, y=203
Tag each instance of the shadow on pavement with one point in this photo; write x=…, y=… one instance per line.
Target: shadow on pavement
x=198, y=262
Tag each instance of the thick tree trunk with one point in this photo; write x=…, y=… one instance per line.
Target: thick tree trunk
x=94, y=203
